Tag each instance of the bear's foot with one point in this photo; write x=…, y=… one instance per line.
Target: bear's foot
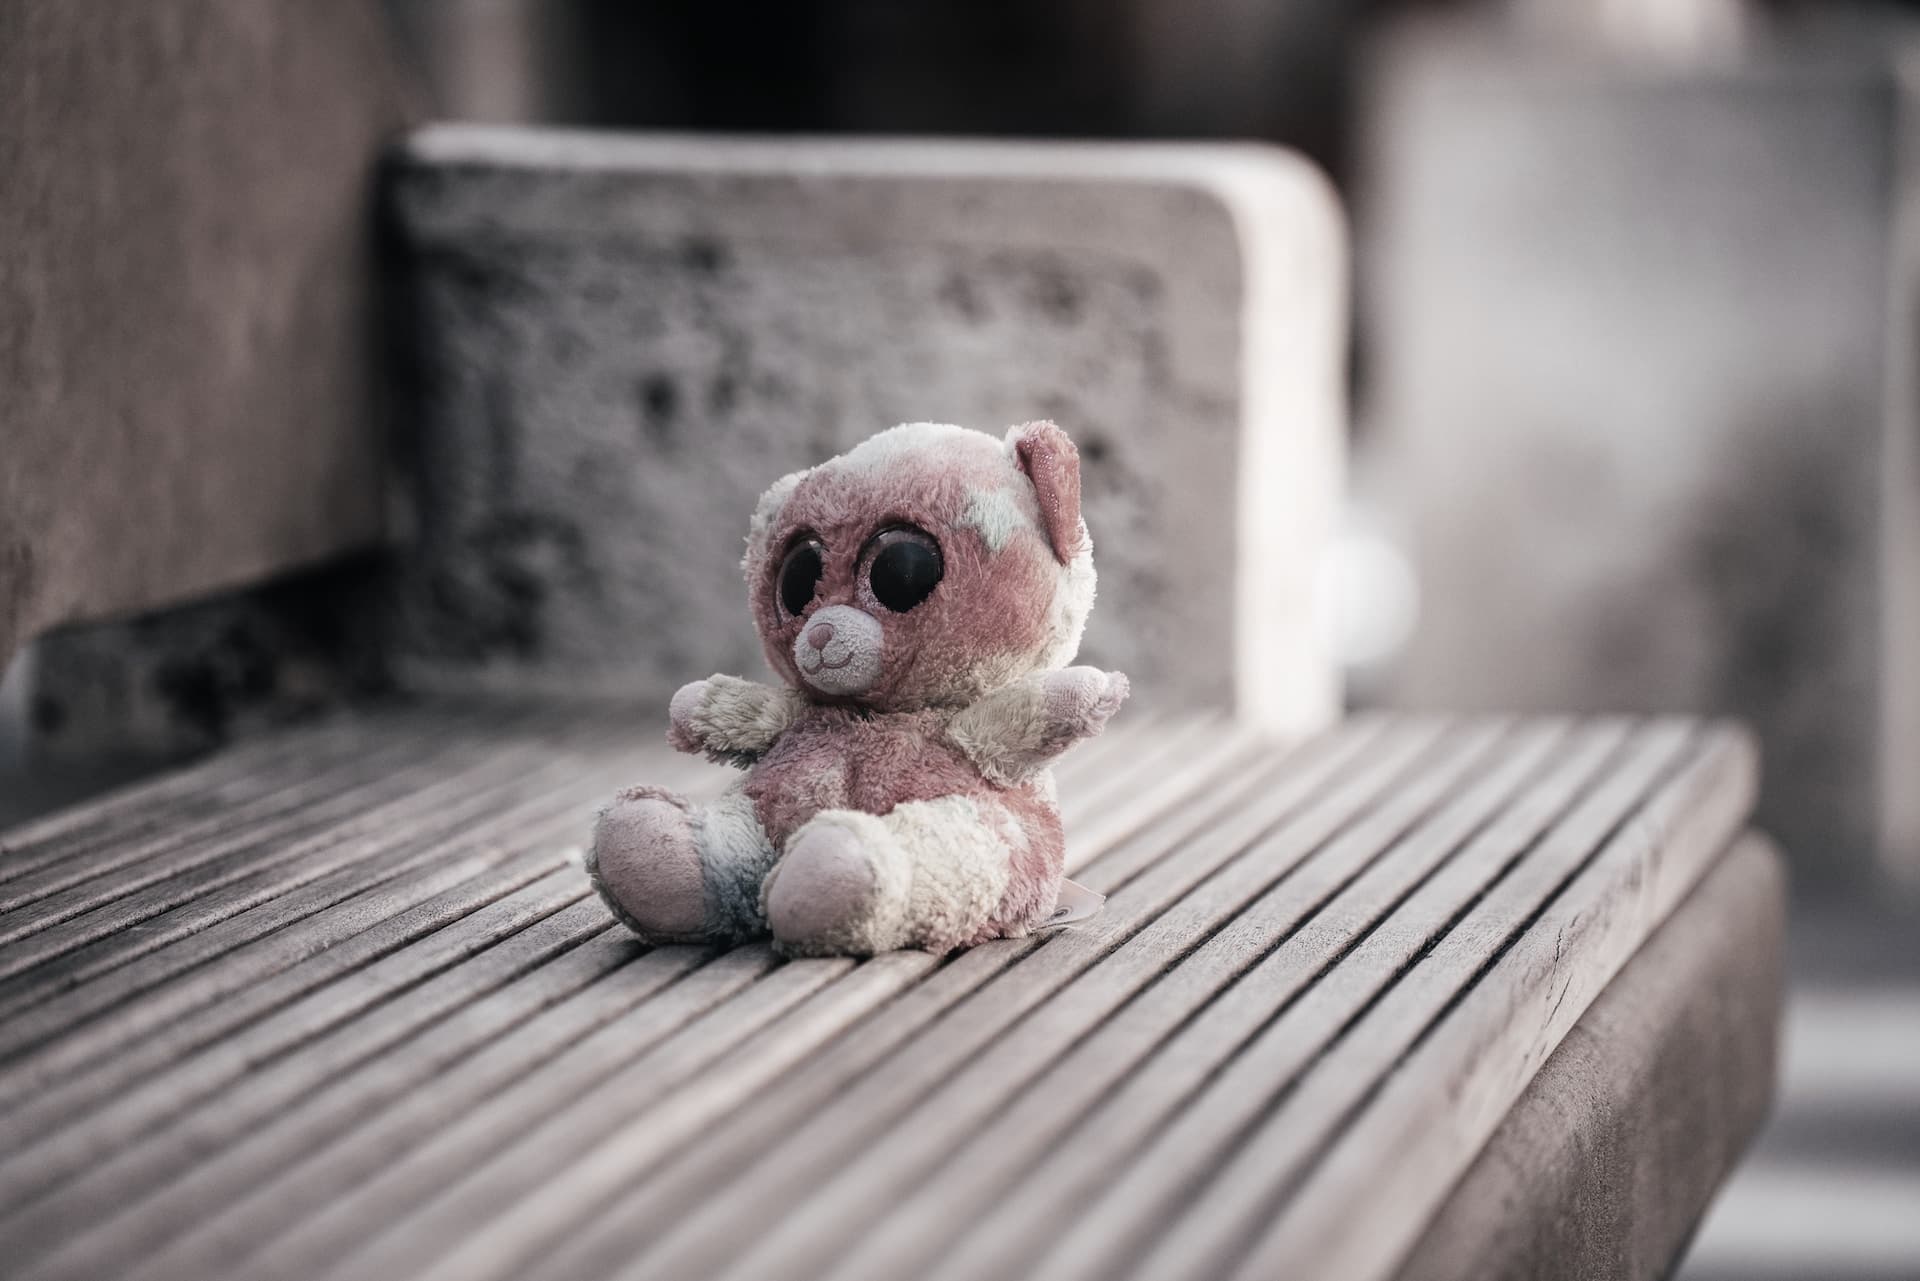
x=645, y=862
x=841, y=889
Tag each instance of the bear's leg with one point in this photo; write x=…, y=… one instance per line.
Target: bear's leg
x=931, y=874
x=675, y=872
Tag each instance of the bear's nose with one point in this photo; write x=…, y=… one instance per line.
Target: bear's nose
x=820, y=635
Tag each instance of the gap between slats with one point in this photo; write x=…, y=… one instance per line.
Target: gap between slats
x=244, y=807
x=386, y=924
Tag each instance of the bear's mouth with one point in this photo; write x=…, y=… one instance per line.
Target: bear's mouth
x=850, y=660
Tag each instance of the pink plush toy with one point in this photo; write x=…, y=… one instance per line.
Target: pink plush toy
x=918, y=595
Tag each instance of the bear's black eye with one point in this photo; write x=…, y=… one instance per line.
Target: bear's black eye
x=906, y=567
x=799, y=576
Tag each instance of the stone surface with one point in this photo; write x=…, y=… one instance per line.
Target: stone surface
x=1632, y=336
x=1900, y=512
x=189, y=679
x=620, y=341
x=186, y=335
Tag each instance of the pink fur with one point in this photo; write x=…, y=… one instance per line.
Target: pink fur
x=1015, y=586
x=988, y=605
x=1037, y=866
x=1051, y=460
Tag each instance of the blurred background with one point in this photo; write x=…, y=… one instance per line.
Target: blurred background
x=1630, y=370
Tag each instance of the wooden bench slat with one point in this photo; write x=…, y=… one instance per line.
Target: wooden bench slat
x=268, y=807
x=209, y=788
x=105, y=1188
x=1607, y=1162
x=771, y=1161
x=415, y=804
x=240, y=1083
x=332, y=810
x=535, y=1134
x=486, y=820
x=981, y=1090
x=449, y=992
x=121, y=863
x=1036, y=1201
x=370, y=1021
x=311, y=932
x=1511, y=1016
x=1260, y=1084
x=1052, y=1147
x=419, y=886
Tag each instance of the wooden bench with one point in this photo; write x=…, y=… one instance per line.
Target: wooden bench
x=1409, y=998
x=1413, y=998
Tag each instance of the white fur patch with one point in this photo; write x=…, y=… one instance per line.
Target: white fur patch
x=850, y=662
x=1004, y=732
x=880, y=454
x=1072, y=602
x=998, y=515
x=961, y=866
x=738, y=715
x=1013, y=733
x=766, y=513
x=939, y=869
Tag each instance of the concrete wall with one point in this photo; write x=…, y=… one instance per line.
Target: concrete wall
x=1633, y=386
x=621, y=340
x=186, y=335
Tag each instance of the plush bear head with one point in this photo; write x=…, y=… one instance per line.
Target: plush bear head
x=925, y=567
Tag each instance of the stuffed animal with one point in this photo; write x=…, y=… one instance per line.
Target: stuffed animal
x=919, y=596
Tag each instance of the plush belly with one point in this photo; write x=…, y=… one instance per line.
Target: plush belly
x=838, y=761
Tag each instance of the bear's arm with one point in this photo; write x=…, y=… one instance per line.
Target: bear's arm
x=1013, y=733
x=730, y=720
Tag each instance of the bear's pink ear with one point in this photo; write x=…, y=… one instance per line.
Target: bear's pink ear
x=1053, y=465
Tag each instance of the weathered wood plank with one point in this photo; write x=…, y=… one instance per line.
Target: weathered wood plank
x=394, y=781
x=248, y=1107
x=389, y=858
x=1322, y=977
x=264, y=804
x=1271, y=952
x=58, y=959
x=977, y=1092
x=169, y=801
x=1037, y=1204
x=1554, y=947
x=531, y=1120
x=542, y=890
x=1172, y=1172
x=676, y=1210
x=414, y=804
x=1605, y=1165
x=260, y=942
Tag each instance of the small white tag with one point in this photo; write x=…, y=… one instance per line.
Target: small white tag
x=1077, y=903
